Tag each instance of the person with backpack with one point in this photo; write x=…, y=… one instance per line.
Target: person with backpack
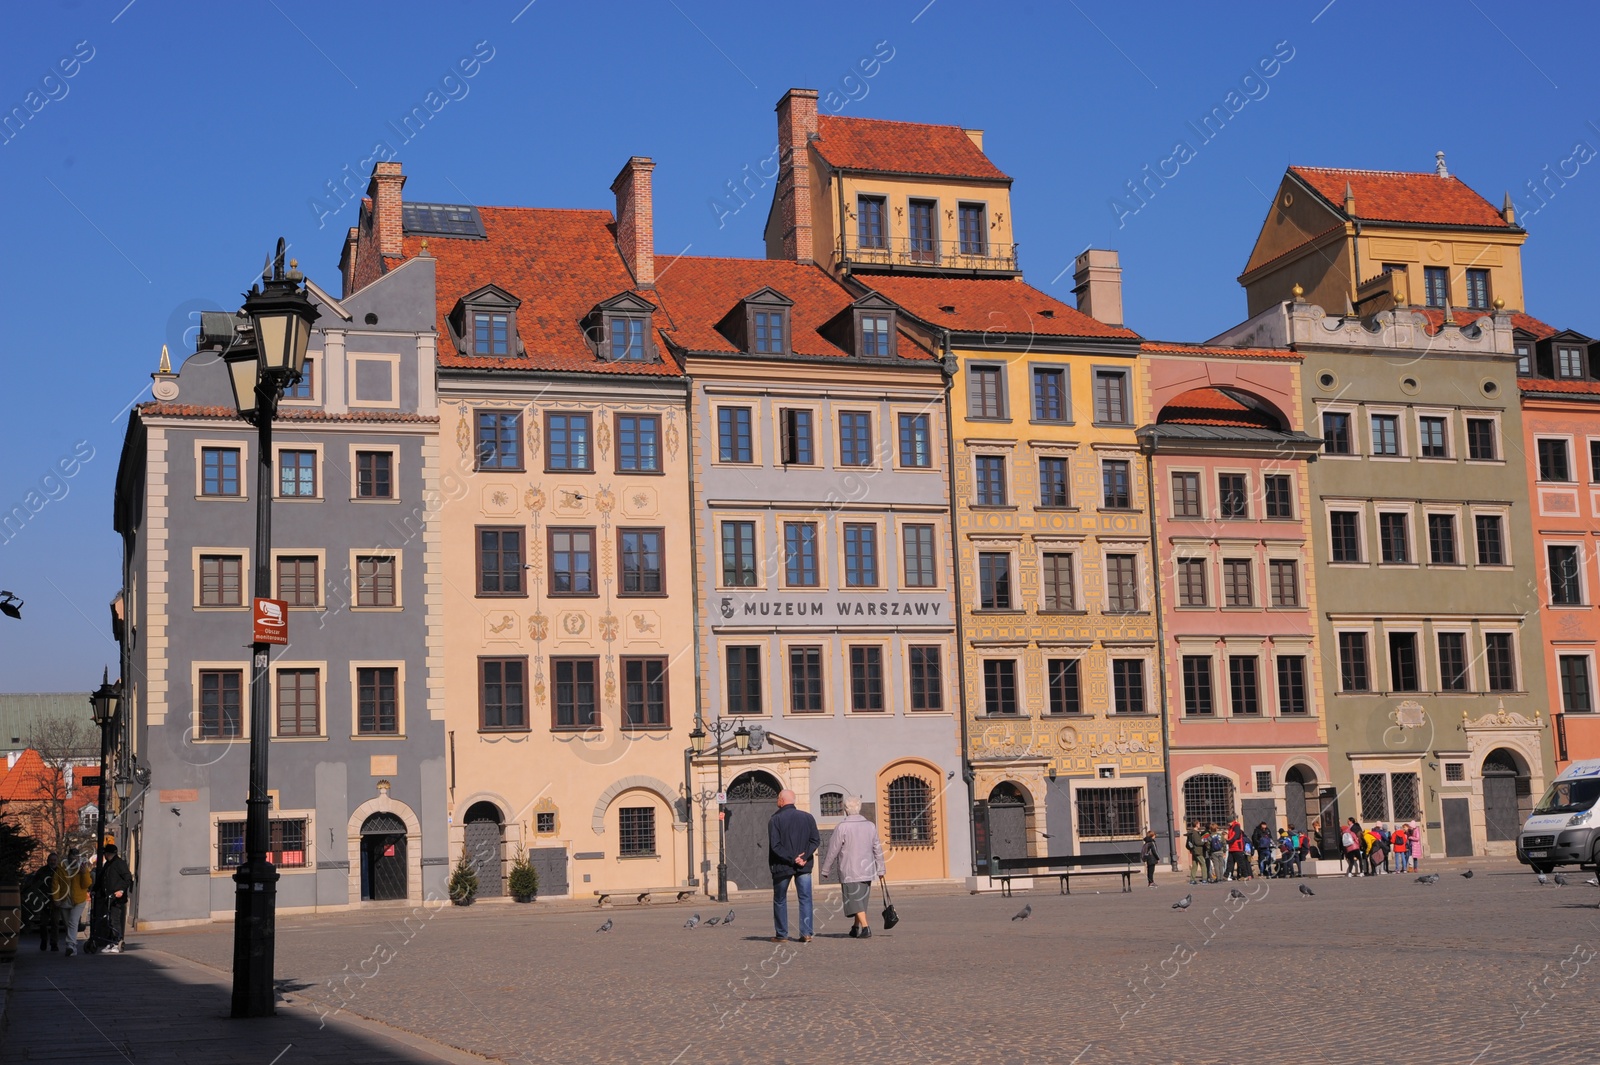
x=1214, y=853
x=1378, y=856
x=1352, y=849
x=1400, y=844
x=1265, y=849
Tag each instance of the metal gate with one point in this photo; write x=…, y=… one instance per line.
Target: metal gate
x=1328, y=846
x=551, y=865
x=1256, y=811
x=1008, y=823
x=1457, y=828
x=484, y=853
x=383, y=858
x=1500, y=820
x=752, y=800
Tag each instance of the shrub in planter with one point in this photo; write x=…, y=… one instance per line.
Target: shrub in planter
x=523, y=882
x=463, y=882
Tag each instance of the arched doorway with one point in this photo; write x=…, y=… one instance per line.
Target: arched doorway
x=1209, y=799
x=485, y=847
x=383, y=858
x=1301, y=806
x=911, y=820
x=1008, y=821
x=1507, y=794
x=752, y=800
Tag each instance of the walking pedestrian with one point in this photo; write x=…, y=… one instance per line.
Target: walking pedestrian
x=73, y=880
x=1195, y=842
x=116, y=881
x=1350, y=838
x=792, y=842
x=40, y=885
x=1147, y=854
x=855, y=855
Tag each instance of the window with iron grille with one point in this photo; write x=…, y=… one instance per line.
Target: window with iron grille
x=1491, y=543
x=927, y=678
x=1233, y=498
x=374, y=475
x=1197, y=686
x=1453, y=661
x=1244, y=685
x=739, y=554
x=999, y=686
x=1478, y=289
x=1279, y=495
x=916, y=444
x=917, y=549
x=377, y=701
x=1192, y=582
x=221, y=580
x=567, y=442
x=1354, y=675
x=869, y=222
x=1431, y=439
x=499, y=439
x=1106, y=813
x=805, y=680
x=800, y=554
x=1374, y=790
x=1336, y=438
x=644, y=693
x=733, y=434
x=1284, y=574
x=974, y=232
x=1575, y=687
x=1127, y=685
x=1065, y=692
x=500, y=562
x=1500, y=661
x=1236, y=588
x=1053, y=487
x=1386, y=434
x=744, y=680
x=572, y=696
x=910, y=812
x=1055, y=581
x=1480, y=440
x=990, y=471
x=1049, y=395
x=1208, y=798
x=230, y=844
x=1403, y=795
x=1553, y=461
x=1455, y=772
x=866, y=679
x=1292, y=684
x=1566, y=585
x=297, y=473
x=1122, y=584
x=1442, y=539
x=1186, y=495
x=640, y=561
x=1436, y=284
x=855, y=438
x=286, y=843
x=219, y=471
x=1404, y=674
x=1111, y=397
x=544, y=822
x=994, y=580
x=638, y=443
x=636, y=831
x=1394, y=543
x=299, y=702
x=984, y=392
x=572, y=565
x=1263, y=781
x=830, y=804
x=1344, y=535
x=502, y=694
x=860, y=556
x=220, y=693
x=1116, y=490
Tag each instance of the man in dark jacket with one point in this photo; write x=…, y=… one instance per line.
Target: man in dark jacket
x=117, y=882
x=792, y=840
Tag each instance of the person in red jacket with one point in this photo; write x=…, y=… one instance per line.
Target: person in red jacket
x=1238, y=864
x=1400, y=845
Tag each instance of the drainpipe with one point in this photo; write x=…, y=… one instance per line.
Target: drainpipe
x=967, y=774
x=694, y=619
x=1161, y=638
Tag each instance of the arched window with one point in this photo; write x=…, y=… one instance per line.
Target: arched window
x=910, y=812
x=1208, y=798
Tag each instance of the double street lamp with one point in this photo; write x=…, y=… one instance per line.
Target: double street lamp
x=741, y=739
x=264, y=356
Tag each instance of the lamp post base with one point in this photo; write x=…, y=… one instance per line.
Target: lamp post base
x=254, y=932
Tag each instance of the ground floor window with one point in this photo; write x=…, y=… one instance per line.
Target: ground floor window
x=910, y=811
x=1105, y=813
x=286, y=843
x=1208, y=798
x=636, y=831
x=1388, y=796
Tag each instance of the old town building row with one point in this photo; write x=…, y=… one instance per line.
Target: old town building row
x=1023, y=580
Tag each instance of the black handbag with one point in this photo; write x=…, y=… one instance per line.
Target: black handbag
x=891, y=916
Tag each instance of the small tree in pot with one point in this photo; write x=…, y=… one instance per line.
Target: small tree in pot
x=523, y=882
x=463, y=881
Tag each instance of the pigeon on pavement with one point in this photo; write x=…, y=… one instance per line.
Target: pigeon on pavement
x=712, y=922
x=1235, y=893
x=605, y=927
x=1561, y=880
x=1592, y=882
x=1024, y=913
x=1543, y=880
x=1183, y=903
x=1467, y=875
x=728, y=919
x=1428, y=878
x=1307, y=892
x=691, y=922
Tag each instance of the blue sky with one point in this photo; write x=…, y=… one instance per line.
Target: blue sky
x=151, y=182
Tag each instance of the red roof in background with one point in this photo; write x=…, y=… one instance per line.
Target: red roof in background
x=559, y=263
x=1394, y=196
x=1213, y=406
x=1542, y=384
x=285, y=414
x=1162, y=347
x=997, y=305
x=1525, y=322
x=696, y=293
x=902, y=148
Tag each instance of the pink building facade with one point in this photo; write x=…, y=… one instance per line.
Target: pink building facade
x=1244, y=704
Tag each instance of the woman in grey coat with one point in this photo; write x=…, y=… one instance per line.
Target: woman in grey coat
x=854, y=857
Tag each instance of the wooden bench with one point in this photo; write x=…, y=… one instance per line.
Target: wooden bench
x=1064, y=867
x=643, y=897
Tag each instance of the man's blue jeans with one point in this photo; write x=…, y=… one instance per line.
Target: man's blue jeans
x=780, y=902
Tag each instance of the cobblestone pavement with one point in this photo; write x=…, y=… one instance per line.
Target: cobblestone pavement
x=1484, y=971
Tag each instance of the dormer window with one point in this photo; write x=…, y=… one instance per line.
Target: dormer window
x=759, y=323
x=770, y=332
x=484, y=324
x=491, y=333
x=627, y=339
x=877, y=341
x=868, y=328
x=619, y=329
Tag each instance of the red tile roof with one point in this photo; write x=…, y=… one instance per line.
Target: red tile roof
x=559, y=263
x=1461, y=316
x=1540, y=384
x=696, y=293
x=989, y=305
x=285, y=414
x=902, y=148
x=1162, y=347
x=1213, y=406
x=1393, y=196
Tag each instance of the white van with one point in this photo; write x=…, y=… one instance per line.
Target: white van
x=1565, y=826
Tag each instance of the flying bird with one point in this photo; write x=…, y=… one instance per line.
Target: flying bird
x=691, y=922
x=1307, y=892
x=1183, y=903
x=1428, y=878
x=712, y=922
x=605, y=927
x=1561, y=880
x=1235, y=893
x=1467, y=875
x=1024, y=913
x=728, y=919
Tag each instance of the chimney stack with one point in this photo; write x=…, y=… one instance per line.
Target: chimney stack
x=1097, y=284
x=797, y=122
x=384, y=190
x=636, y=222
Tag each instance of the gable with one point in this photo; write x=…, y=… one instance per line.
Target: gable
x=1296, y=218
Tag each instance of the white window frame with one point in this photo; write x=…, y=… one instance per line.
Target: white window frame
x=1450, y=452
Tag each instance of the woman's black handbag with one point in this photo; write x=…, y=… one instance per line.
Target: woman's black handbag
x=891, y=916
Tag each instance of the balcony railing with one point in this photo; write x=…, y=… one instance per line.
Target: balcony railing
x=919, y=253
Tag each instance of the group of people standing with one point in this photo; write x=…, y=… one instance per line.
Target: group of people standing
x=1231, y=853
x=1368, y=851
x=64, y=888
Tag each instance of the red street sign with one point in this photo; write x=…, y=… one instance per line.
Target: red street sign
x=271, y=621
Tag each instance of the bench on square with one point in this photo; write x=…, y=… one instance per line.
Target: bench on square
x=1064, y=867
x=643, y=898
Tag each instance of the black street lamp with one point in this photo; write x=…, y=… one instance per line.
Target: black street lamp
x=103, y=705
x=263, y=359
x=741, y=739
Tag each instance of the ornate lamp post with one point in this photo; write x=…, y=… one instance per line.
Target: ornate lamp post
x=103, y=704
x=741, y=739
x=260, y=366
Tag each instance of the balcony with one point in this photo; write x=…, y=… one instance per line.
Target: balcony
x=919, y=254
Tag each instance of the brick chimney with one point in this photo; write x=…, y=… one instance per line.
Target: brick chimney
x=636, y=221
x=797, y=122
x=1097, y=284
x=384, y=190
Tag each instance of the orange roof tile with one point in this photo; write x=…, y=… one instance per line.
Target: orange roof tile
x=698, y=292
x=1395, y=196
x=1213, y=406
x=989, y=305
x=1539, y=384
x=1461, y=316
x=902, y=148
x=559, y=263
x=1162, y=347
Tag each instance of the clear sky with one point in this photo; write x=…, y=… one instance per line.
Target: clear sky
x=150, y=181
